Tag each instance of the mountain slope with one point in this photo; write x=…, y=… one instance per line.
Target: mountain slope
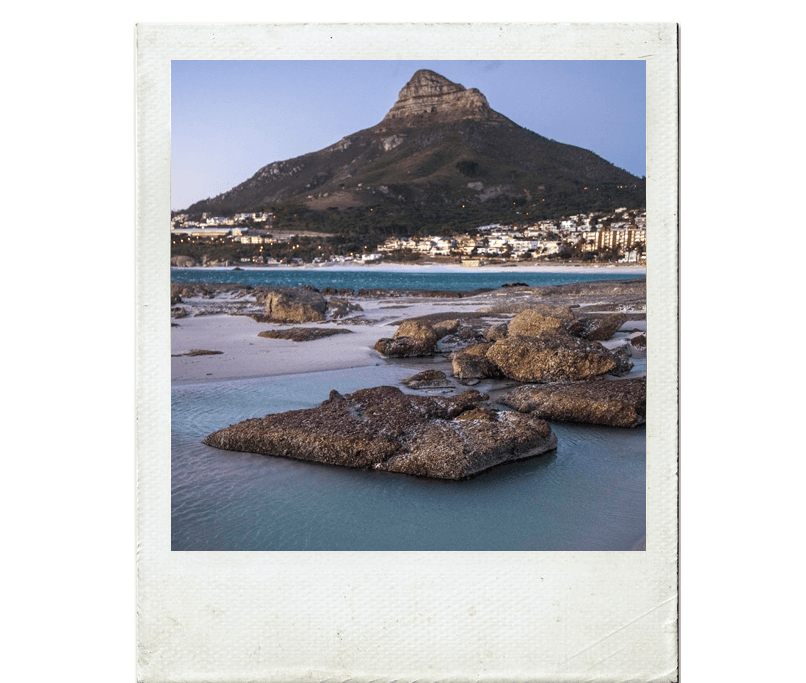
x=439, y=148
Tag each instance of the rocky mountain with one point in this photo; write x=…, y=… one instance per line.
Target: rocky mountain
x=440, y=155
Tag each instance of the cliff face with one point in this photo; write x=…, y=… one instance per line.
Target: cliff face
x=429, y=98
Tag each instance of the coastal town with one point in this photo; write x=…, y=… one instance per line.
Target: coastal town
x=253, y=239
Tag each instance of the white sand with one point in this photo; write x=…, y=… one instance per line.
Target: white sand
x=244, y=354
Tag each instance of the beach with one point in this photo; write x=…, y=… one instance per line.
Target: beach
x=222, y=323
x=587, y=494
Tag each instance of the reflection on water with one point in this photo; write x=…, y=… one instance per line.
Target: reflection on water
x=587, y=495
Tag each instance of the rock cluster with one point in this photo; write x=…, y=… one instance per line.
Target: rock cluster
x=534, y=347
x=618, y=403
x=385, y=429
x=539, y=347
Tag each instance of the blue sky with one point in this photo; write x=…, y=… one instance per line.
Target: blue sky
x=230, y=118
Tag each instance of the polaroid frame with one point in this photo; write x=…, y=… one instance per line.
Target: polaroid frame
x=399, y=616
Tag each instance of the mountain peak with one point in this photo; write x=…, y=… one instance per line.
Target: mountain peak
x=429, y=98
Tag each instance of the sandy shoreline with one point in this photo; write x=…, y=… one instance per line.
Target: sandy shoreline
x=245, y=355
x=214, y=326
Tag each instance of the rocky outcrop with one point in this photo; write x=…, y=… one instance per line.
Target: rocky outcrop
x=639, y=342
x=385, y=429
x=618, y=403
x=531, y=323
x=555, y=358
x=302, y=334
x=598, y=326
x=429, y=97
x=411, y=339
x=295, y=305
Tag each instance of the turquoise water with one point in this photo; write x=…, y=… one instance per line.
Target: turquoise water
x=589, y=494
x=370, y=277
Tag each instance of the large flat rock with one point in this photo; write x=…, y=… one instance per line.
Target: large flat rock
x=618, y=403
x=385, y=429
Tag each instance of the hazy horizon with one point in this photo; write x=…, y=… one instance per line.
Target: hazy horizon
x=231, y=118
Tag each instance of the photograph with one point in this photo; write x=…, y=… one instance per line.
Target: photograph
x=408, y=305
x=407, y=352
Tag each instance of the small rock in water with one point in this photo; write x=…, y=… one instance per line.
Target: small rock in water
x=428, y=379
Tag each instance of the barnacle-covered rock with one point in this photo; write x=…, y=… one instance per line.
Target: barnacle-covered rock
x=383, y=428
